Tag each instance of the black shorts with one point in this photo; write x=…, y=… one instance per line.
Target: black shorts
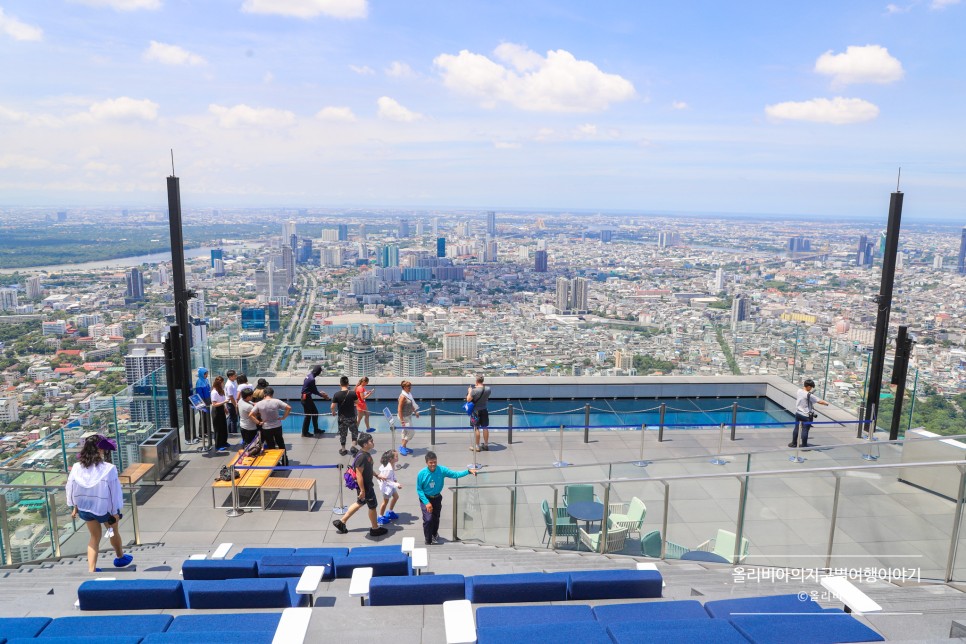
x=483, y=418
x=368, y=499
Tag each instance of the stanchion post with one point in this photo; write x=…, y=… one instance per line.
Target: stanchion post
x=734, y=418
x=859, y=427
x=640, y=462
x=660, y=429
x=509, y=424
x=560, y=462
x=339, y=508
x=235, y=511
x=586, y=423
x=473, y=430
x=717, y=460
x=432, y=424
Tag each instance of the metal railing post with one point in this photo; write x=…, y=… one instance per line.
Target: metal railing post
x=54, y=527
x=432, y=424
x=835, y=513
x=509, y=424
x=740, y=528
x=586, y=422
x=859, y=426
x=553, y=523
x=5, y=531
x=235, y=511
x=667, y=500
x=340, y=508
x=660, y=429
x=957, y=525
x=513, y=514
x=134, y=515
x=734, y=418
x=640, y=462
x=456, y=507
x=560, y=462
x=602, y=546
x=717, y=460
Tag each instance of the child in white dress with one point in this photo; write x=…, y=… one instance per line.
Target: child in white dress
x=389, y=487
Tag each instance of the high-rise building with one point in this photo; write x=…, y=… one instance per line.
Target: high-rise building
x=274, y=318
x=563, y=294
x=606, y=236
x=719, y=280
x=540, y=261
x=572, y=294
x=140, y=362
x=343, y=232
x=436, y=227
x=460, y=345
x=219, y=268
x=288, y=229
x=62, y=216
x=739, y=310
x=860, y=251
x=135, y=284
x=216, y=254
x=489, y=253
x=419, y=228
x=332, y=256
x=389, y=256
x=161, y=276
x=403, y=228
x=362, y=232
x=440, y=247
x=409, y=359
x=293, y=242
x=34, y=290
x=491, y=223
x=288, y=265
x=799, y=244
x=961, y=265
x=305, y=252
x=359, y=360
x=253, y=318
x=667, y=238
x=8, y=299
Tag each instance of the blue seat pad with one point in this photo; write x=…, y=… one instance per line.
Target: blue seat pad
x=414, y=591
x=243, y=593
x=382, y=564
x=11, y=627
x=219, y=569
x=517, y=587
x=229, y=623
x=615, y=584
x=80, y=639
x=322, y=552
x=258, y=553
x=583, y=632
x=113, y=624
x=676, y=631
x=250, y=637
x=791, y=603
x=650, y=611
x=131, y=594
x=523, y=615
x=805, y=628
x=372, y=550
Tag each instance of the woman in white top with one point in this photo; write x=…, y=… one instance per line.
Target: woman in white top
x=249, y=430
x=219, y=414
x=94, y=491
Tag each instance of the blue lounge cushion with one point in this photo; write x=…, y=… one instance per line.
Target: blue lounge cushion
x=516, y=588
x=116, y=625
x=383, y=565
x=583, y=632
x=294, y=565
x=536, y=615
x=219, y=569
x=225, y=623
x=805, y=628
x=11, y=627
x=374, y=550
x=321, y=552
x=243, y=593
x=130, y=594
x=415, y=591
x=615, y=584
x=80, y=639
x=258, y=553
x=650, y=611
x=791, y=603
x=250, y=637
x=676, y=631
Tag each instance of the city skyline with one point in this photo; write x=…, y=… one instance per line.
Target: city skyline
x=494, y=105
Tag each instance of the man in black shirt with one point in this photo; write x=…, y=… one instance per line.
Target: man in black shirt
x=310, y=389
x=344, y=403
x=367, y=492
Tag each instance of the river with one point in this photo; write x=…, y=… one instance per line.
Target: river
x=117, y=262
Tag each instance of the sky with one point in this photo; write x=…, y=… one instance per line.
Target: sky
x=618, y=105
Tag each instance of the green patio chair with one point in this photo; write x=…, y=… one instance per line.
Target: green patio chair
x=579, y=494
x=723, y=545
x=631, y=517
x=651, y=546
x=565, y=525
x=616, y=536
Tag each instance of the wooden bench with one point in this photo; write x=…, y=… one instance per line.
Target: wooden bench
x=303, y=485
x=250, y=478
x=135, y=472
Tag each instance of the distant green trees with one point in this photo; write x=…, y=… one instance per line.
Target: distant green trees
x=934, y=413
x=648, y=364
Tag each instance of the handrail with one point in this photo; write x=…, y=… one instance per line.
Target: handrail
x=719, y=475
x=20, y=470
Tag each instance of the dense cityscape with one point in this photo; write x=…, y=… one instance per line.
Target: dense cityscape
x=404, y=294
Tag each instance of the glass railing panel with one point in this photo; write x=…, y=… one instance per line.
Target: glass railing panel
x=886, y=523
x=29, y=525
x=483, y=514
x=534, y=519
x=697, y=510
x=637, y=507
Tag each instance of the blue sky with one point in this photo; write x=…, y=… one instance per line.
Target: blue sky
x=757, y=107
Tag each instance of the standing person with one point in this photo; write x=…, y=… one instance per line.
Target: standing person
x=361, y=396
x=429, y=488
x=203, y=391
x=231, y=406
x=259, y=393
x=269, y=414
x=388, y=486
x=310, y=389
x=219, y=419
x=249, y=429
x=344, y=404
x=407, y=408
x=94, y=491
x=243, y=384
x=805, y=412
x=479, y=396
x=362, y=465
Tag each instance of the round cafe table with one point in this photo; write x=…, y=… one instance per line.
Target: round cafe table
x=586, y=511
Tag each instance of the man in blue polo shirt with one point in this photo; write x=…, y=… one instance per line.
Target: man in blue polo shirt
x=429, y=487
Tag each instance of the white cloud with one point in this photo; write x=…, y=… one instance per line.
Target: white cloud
x=679, y=105
x=308, y=8
x=506, y=145
x=29, y=119
x=362, y=70
x=124, y=108
x=242, y=115
x=171, y=55
x=837, y=111
x=19, y=30
x=868, y=64
x=942, y=4
x=343, y=114
x=268, y=78
x=555, y=83
x=586, y=130
x=400, y=70
x=391, y=110
x=123, y=5
x=23, y=162
x=892, y=9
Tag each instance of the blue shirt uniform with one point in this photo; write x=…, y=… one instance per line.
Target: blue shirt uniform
x=431, y=483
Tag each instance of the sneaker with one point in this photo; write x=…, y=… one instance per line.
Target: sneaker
x=318, y=434
x=378, y=532
x=222, y=449
x=353, y=450
x=429, y=543
x=435, y=540
x=120, y=562
x=306, y=435
x=792, y=445
x=475, y=448
x=340, y=526
x=383, y=520
x=98, y=570
x=392, y=516
x=405, y=451
x=485, y=447
x=343, y=452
